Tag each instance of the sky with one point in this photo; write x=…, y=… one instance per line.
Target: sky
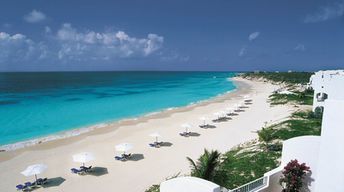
x=171, y=35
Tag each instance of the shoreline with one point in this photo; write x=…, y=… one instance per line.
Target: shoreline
x=149, y=165
x=112, y=125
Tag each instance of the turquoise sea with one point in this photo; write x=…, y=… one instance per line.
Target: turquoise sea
x=38, y=104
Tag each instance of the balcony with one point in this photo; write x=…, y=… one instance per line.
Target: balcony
x=321, y=97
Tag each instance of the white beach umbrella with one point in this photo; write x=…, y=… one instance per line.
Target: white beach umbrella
x=155, y=135
x=223, y=113
x=217, y=114
x=83, y=157
x=247, y=98
x=239, y=105
x=35, y=170
x=229, y=110
x=124, y=147
x=203, y=119
x=186, y=126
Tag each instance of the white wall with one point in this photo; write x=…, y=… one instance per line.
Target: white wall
x=329, y=82
x=273, y=183
x=331, y=154
x=306, y=150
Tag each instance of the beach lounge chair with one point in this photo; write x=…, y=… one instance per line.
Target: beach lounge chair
x=184, y=134
x=119, y=158
x=76, y=171
x=41, y=181
x=126, y=156
x=152, y=145
x=29, y=186
x=155, y=144
x=86, y=169
x=123, y=157
x=204, y=126
x=21, y=187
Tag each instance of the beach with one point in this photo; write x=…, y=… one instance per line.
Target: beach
x=149, y=165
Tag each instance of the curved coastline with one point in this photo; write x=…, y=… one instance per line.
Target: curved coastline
x=165, y=161
x=72, y=135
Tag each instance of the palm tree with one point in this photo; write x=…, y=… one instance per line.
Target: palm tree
x=265, y=136
x=206, y=165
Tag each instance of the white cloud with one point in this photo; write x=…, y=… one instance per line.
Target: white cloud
x=69, y=44
x=35, y=17
x=326, y=13
x=77, y=45
x=16, y=48
x=253, y=36
x=242, y=52
x=300, y=47
x=47, y=29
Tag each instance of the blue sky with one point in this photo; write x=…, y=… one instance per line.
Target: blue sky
x=85, y=35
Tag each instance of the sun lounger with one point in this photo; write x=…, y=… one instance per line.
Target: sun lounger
x=76, y=171
x=86, y=169
x=204, y=126
x=155, y=144
x=185, y=134
x=123, y=157
x=41, y=181
x=21, y=187
x=152, y=145
x=83, y=167
x=29, y=184
x=127, y=156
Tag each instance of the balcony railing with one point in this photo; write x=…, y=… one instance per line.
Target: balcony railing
x=252, y=186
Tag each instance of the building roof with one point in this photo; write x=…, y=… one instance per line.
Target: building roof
x=188, y=184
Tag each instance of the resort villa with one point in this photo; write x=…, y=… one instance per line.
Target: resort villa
x=326, y=85
x=323, y=154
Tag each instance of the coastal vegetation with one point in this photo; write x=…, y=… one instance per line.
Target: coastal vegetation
x=281, y=77
x=206, y=166
x=249, y=161
x=293, y=177
x=296, y=97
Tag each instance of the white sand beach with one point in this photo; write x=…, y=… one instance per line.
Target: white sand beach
x=148, y=165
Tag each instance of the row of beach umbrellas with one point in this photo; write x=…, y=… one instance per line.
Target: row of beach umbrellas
x=85, y=157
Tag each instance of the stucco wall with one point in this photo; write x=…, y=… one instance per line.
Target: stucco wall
x=306, y=150
x=330, y=82
x=331, y=154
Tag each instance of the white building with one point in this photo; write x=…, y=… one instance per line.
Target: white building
x=189, y=184
x=327, y=85
x=323, y=154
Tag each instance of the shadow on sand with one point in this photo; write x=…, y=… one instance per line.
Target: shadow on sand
x=224, y=119
x=98, y=171
x=207, y=126
x=54, y=182
x=136, y=157
x=166, y=144
x=194, y=134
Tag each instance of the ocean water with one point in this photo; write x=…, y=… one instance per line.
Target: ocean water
x=33, y=105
